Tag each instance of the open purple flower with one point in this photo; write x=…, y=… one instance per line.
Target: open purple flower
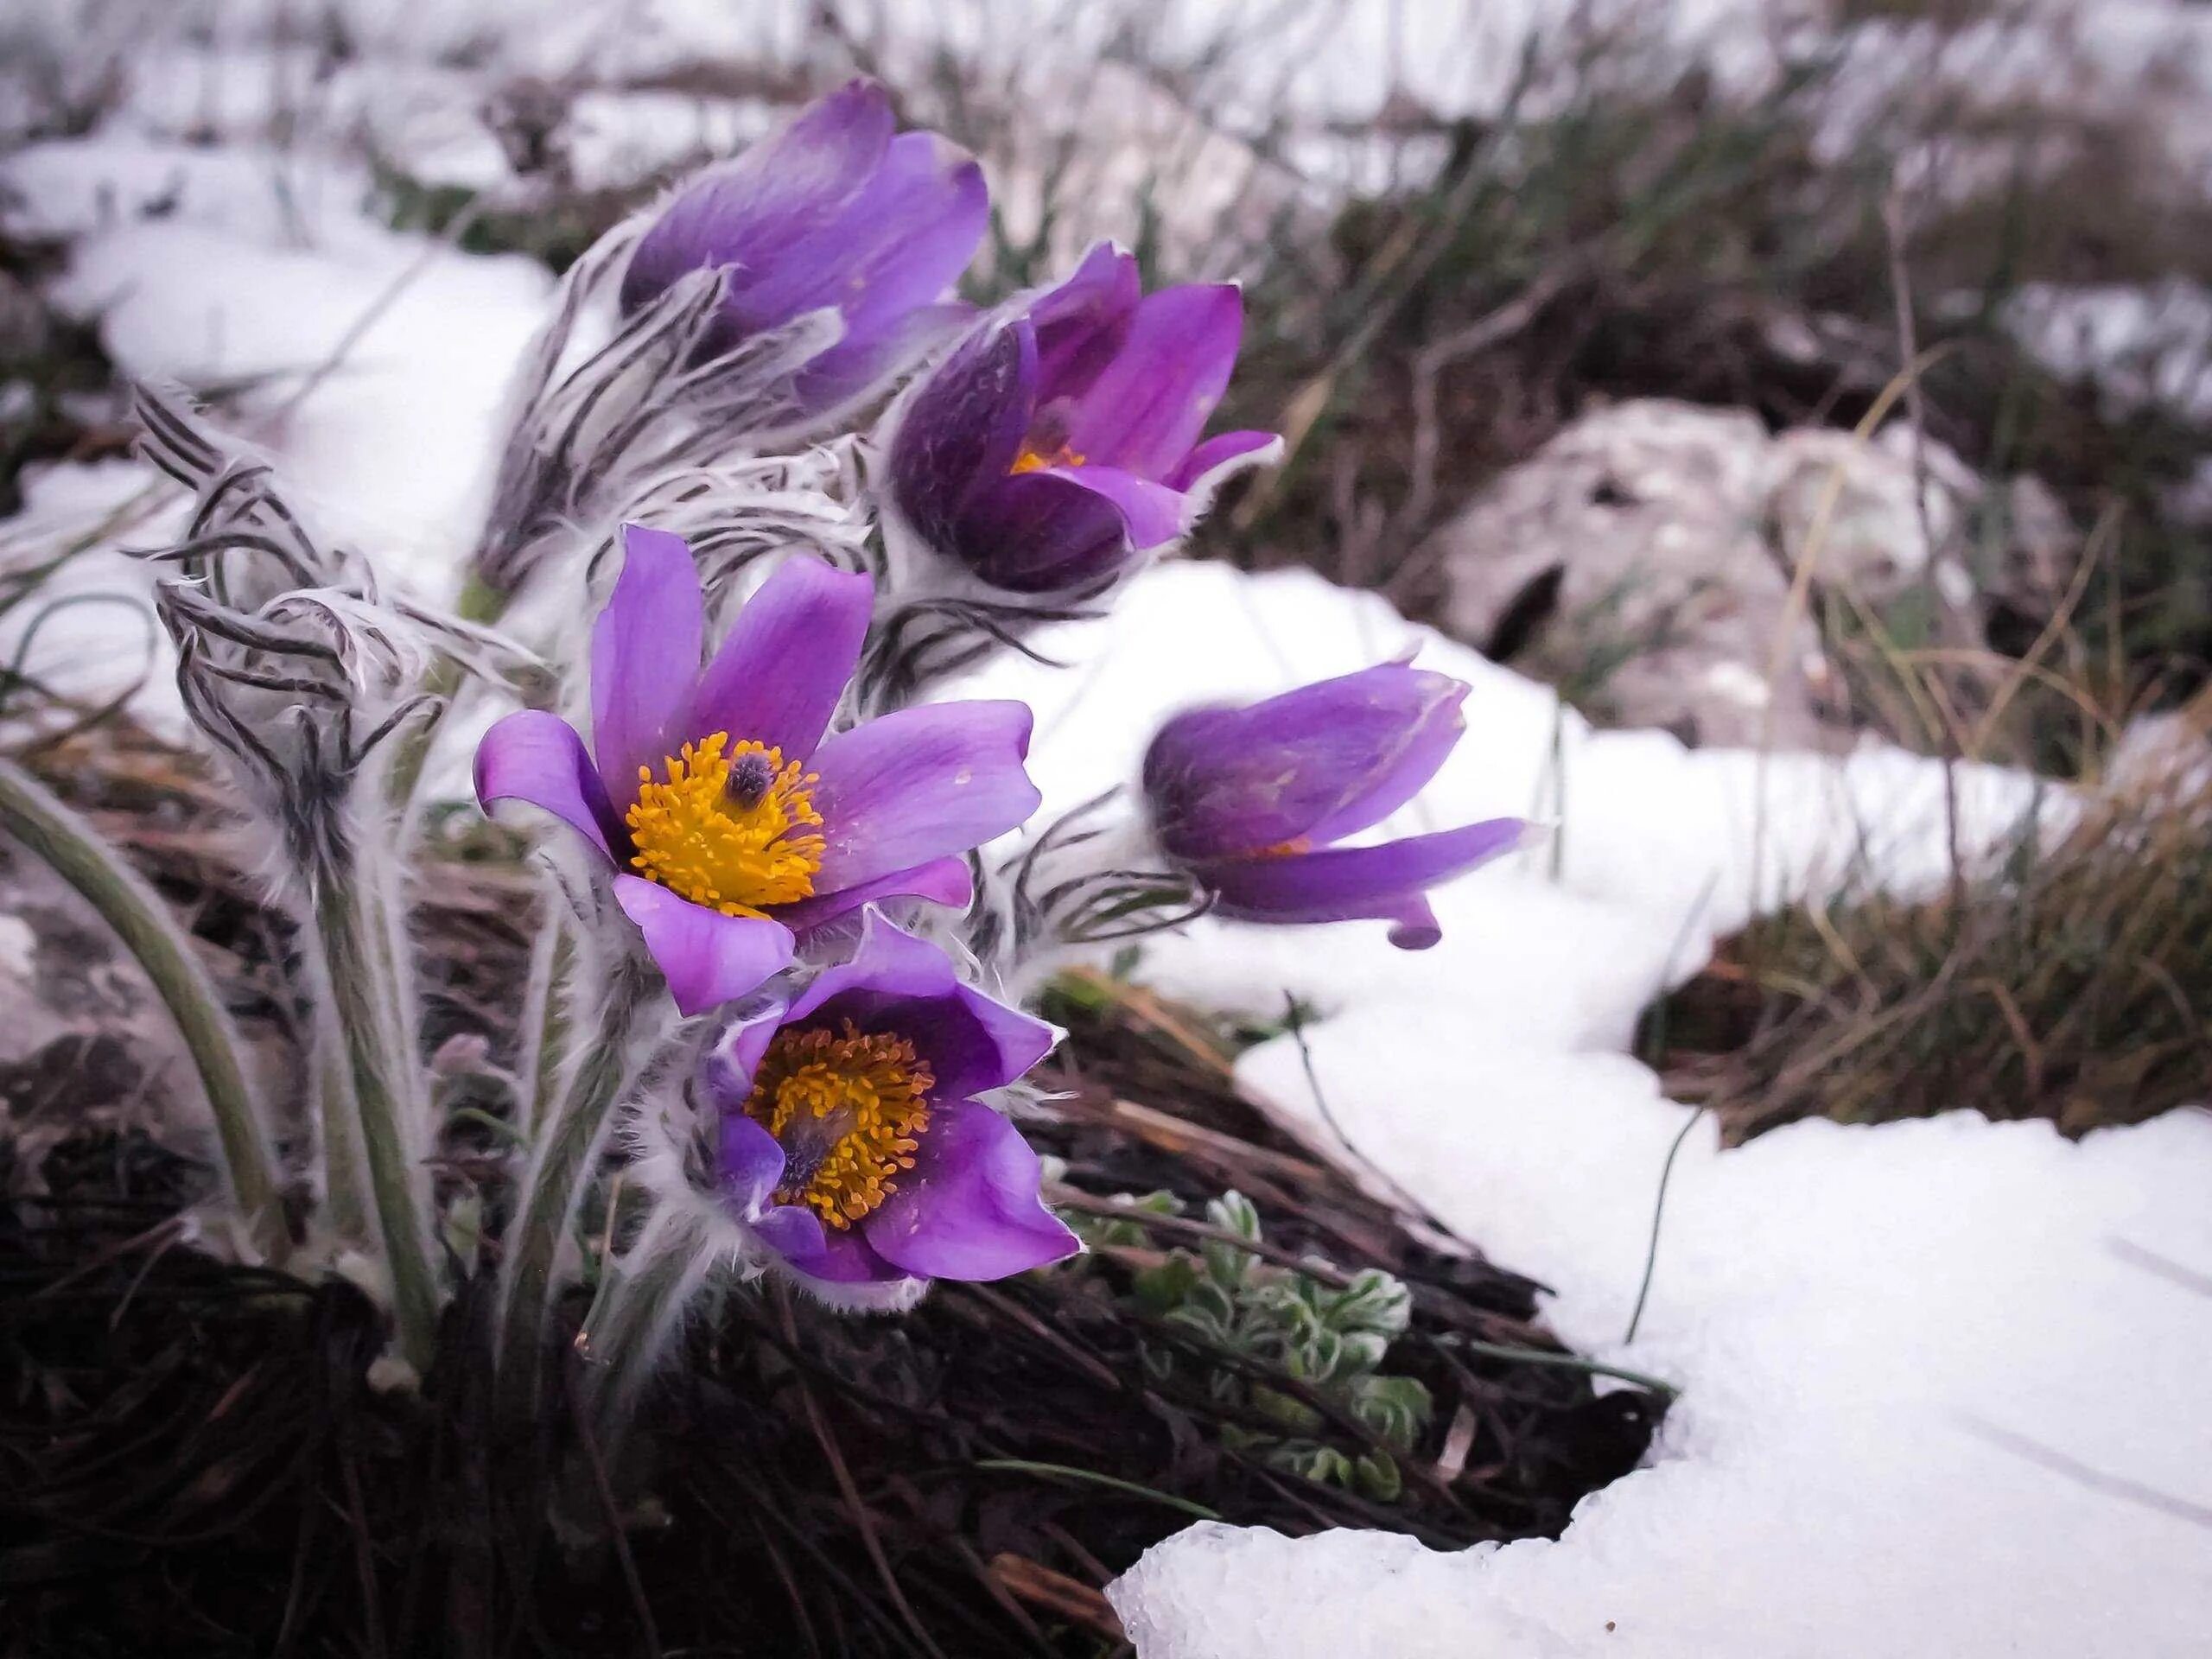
x=850, y=1141
x=1251, y=800
x=734, y=821
x=840, y=210
x=1061, y=439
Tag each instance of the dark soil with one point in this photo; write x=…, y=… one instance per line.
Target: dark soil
x=191, y=1460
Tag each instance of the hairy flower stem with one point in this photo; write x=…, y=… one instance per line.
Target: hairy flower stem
x=476, y=602
x=568, y=1144
x=78, y=853
x=641, y=1313
x=379, y=1065
x=546, y=1011
x=343, y=1207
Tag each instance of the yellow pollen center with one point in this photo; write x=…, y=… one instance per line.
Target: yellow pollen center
x=728, y=842
x=1290, y=848
x=846, y=1111
x=1030, y=461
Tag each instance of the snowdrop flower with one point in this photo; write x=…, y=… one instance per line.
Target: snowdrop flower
x=851, y=1148
x=734, y=821
x=1250, y=801
x=1061, y=440
x=838, y=210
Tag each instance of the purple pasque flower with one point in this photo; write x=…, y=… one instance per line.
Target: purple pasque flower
x=734, y=821
x=838, y=210
x=1061, y=439
x=850, y=1142
x=1250, y=801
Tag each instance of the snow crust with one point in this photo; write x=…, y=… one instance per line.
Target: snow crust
x=1942, y=1380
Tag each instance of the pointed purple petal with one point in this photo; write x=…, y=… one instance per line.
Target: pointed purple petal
x=747, y=1163
x=890, y=964
x=917, y=786
x=969, y=1208
x=895, y=242
x=910, y=231
x=1041, y=533
x=747, y=213
x=1352, y=883
x=1202, y=471
x=1144, y=413
x=866, y=360
x=707, y=957
x=778, y=674
x=963, y=426
x=1152, y=512
x=895, y=981
x=795, y=1233
x=1315, y=764
x=941, y=881
x=644, y=659
x=1082, y=323
x=532, y=756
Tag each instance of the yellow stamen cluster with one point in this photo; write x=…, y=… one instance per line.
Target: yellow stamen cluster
x=846, y=1109
x=1290, y=848
x=733, y=851
x=1030, y=461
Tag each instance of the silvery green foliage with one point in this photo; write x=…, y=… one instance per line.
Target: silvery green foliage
x=290, y=659
x=594, y=430
x=1331, y=1338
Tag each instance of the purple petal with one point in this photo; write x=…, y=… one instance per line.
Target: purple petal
x=969, y=1208
x=1152, y=512
x=748, y=214
x=909, y=234
x=1082, y=323
x=963, y=426
x=707, y=957
x=917, y=786
x=778, y=674
x=644, y=658
x=863, y=360
x=1314, y=764
x=1042, y=532
x=1144, y=413
x=1352, y=883
x=797, y=1234
x=896, y=982
x=1202, y=471
x=897, y=242
x=532, y=756
x=747, y=1163
x=941, y=881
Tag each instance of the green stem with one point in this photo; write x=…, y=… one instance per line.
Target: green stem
x=342, y=1152
x=78, y=853
x=380, y=1066
x=568, y=1142
x=1566, y=1362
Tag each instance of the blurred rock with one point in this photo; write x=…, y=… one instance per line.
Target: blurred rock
x=1644, y=559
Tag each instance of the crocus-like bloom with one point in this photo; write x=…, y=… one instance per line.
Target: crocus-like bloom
x=732, y=821
x=851, y=1144
x=840, y=210
x=1061, y=439
x=1250, y=800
